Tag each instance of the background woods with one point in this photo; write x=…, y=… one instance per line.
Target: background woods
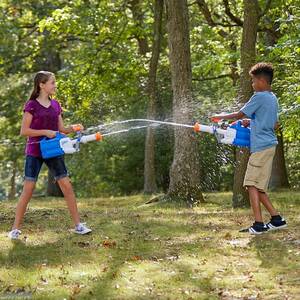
x=180, y=60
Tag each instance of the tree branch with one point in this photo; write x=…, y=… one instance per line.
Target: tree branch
x=232, y=17
x=267, y=7
x=208, y=17
x=213, y=78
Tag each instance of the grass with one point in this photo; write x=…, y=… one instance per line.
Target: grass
x=157, y=251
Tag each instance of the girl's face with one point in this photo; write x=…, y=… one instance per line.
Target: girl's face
x=49, y=87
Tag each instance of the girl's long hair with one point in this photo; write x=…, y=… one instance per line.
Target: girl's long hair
x=40, y=77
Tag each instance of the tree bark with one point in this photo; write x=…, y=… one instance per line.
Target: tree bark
x=135, y=7
x=12, y=191
x=150, y=185
x=53, y=188
x=279, y=177
x=185, y=169
x=248, y=52
x=49, y=60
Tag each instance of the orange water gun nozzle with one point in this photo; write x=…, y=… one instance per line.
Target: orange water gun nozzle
x=98, y=136
x=197, y=127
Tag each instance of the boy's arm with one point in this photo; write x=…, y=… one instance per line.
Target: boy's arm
x=232, y=116
x=247, y=110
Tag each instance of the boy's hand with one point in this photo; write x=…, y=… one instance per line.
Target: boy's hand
x=246, y=122
x=77, y=127
x=50, y=133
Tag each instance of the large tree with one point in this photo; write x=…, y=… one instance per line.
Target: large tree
x=248, y=53
x=150, y=185
x=185, y=169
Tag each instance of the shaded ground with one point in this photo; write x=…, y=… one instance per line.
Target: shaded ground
x=155, y=251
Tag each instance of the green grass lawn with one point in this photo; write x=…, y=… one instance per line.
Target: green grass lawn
x=157, y=251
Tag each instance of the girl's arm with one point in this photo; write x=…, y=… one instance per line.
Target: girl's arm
x=27, y=131
x=68, y=129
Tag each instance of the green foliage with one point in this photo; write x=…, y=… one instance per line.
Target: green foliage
x=93, y=48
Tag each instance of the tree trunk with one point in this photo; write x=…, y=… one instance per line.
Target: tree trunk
x=49, y=60
x=251, y=18
x=137, y=13
x=279, y=178
x=150, y=185
x=185, y=169
x=53, y=188
x=12, y=191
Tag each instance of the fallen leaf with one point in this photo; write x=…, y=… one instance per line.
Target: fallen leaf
x=136, y=257
x=109, y=244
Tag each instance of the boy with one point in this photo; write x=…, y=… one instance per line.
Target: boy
x=262, y=109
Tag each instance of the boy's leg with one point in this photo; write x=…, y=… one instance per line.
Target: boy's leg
x=255, y=203
x=276, y=222
x=264, y=199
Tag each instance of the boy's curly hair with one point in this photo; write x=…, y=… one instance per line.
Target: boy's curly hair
x=263, y=69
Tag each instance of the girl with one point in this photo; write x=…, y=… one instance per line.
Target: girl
x=42, y=117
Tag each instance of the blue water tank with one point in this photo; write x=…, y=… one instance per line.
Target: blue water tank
x=242, y=137
x=51, y=147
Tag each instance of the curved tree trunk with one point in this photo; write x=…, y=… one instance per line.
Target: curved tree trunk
x=251, y=18
x=150, y=185
x=185, y=169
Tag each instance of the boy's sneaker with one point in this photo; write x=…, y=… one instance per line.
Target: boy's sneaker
x=256, y=228
x=14, y=234
x=276, y=222
x=81, y=228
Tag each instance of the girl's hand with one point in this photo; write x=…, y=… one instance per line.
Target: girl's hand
x=77, y=127
x=216, y=118
x=50, y=133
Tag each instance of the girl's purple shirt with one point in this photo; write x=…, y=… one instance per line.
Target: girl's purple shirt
x=42, y=118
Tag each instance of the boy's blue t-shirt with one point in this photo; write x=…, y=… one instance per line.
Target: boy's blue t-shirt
x=262, y=108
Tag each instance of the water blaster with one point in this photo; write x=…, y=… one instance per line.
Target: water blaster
x=235, y=134
x=61, y=144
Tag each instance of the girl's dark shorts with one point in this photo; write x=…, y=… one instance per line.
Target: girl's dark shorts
x=56, y=165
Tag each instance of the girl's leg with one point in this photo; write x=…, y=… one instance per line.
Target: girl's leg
x=25, y=197
x=67, y=189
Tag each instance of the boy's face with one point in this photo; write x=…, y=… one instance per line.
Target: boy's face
x=259, y=83
x=50, y=86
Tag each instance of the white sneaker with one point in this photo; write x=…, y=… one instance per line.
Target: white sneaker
x=82, y=229
x=14, y=234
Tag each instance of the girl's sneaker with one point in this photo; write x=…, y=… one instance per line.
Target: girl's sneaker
x=81, y=228
x=14, y=234
x=276, y=223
